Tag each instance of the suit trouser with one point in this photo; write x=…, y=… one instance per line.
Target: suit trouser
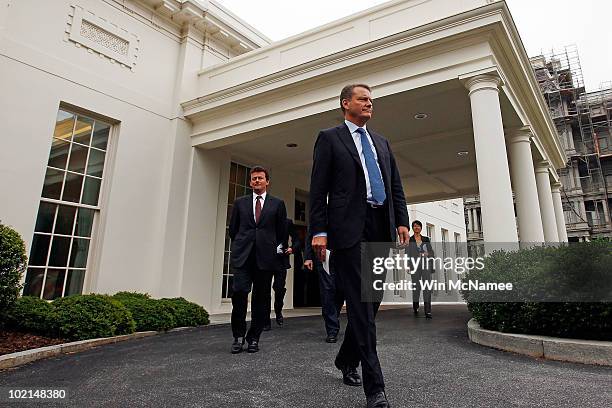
x=280, y=280
x=417, y=277
x=359, y=343
x=244, y=278
x=331, y=299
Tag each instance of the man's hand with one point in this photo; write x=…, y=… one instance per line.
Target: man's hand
x=289, y=251
x=308, y=264
x=319, y=245
x=404, y=235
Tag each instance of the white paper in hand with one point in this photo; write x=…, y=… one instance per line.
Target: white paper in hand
x=326, y=263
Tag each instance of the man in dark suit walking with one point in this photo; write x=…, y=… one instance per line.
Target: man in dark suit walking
x=356, y=196
x=331, y=299
x=257, y=229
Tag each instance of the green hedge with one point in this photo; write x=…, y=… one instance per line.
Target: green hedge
x=12, y=264
x=187, y=313
x=557, y=291
x=80, y=317
x=33, y=315
x=148, y=314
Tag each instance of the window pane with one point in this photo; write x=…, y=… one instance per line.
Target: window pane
x=74, y=283
x=40, y=249
x=95, y=165
x=78, y=256
x=231, y=194
x=54, y=284
x=44, y=221
x=84, y=222
x=59, y=251
x=91, y=191
x=72, y=190
x=233, y=171
x=59, y=153
x=242, y=175
x=82, y=131
x=78, y=157
x=33, y=282
x=100, y=135
x=64, y=125
x=53, y=184
x=65, y=220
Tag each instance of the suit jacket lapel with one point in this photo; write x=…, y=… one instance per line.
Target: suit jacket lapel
x=250, y=210
x=347, y=139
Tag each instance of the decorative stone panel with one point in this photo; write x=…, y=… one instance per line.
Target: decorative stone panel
x=102, y=37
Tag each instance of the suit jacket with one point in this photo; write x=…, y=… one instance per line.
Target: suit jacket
x=413, y=250
x=290, y=231
x=266, y=235
x=338, y=188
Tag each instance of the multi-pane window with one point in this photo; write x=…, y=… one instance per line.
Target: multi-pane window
x=68, y=206
x=238, y=186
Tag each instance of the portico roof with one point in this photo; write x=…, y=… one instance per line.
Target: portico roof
x=416, y=55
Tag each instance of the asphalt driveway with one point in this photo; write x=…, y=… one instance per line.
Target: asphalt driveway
x=426, y=364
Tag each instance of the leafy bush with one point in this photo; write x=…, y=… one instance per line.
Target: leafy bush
x=33, y=315
x=558, y=291
x=80, y=317
x=12, y=264
x=131, y=295
x=149, y=314
x=187, y=313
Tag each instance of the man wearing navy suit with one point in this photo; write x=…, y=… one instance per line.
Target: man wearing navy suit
x=356, y=196
x=257, y=229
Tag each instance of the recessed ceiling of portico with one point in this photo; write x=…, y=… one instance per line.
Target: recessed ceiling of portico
x=426, y=150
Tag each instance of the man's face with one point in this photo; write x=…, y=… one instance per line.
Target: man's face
x=359, y=107
x=258, y=182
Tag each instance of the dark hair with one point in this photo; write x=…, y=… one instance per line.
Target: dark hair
x=347, y=92
x=260, y=169
x=417, y=222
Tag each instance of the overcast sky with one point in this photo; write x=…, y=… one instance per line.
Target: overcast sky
x=543, y=25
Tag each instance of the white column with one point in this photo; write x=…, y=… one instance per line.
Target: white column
x=525, y=190
x=549, y=222
x=498, y=224
x=561, y=229
x=476, y=223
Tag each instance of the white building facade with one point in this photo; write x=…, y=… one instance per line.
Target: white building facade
x=129, y=127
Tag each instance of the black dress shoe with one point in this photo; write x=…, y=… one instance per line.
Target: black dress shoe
x=280, y=321
x=253, y=346
x=331, y=338
x=267, y=326
x=428, y=315
x=237, y=345
x=350, y=376
x=378, y=400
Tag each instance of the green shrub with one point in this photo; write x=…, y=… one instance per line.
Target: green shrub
x=149, y=314
x=33, y=315
x=187, y=313
x=558, y=291
x=131, y=295
x=80, y=317
x=12, y=264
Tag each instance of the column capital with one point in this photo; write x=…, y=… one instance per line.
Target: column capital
x=491, y=81
x=522, y=134
x=556, y=187
x=542, y=166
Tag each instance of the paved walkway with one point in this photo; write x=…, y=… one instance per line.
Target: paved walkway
x=426, y=364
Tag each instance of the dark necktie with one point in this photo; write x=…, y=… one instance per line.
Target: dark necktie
x=257, y=208
x=376, y=182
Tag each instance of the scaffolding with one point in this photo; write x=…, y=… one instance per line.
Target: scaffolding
x=583, y=121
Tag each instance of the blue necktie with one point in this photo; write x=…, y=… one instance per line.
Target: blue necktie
x=376, y=182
